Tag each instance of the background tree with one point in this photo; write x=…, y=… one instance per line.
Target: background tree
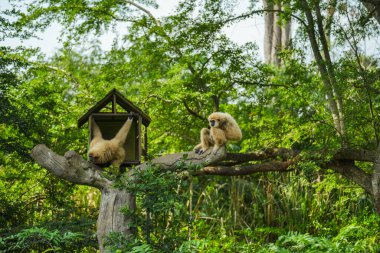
x=277, y=31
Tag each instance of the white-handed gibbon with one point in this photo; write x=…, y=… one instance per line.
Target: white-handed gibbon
x=223, y=128
x=104, y=151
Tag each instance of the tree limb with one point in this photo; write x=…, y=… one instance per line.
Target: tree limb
x=246, y=169
x=264, y=154
x=146, y=12
x=192, y=112
x=71, y=167
x=172, y=161
x=352, y=172
x=356, y=155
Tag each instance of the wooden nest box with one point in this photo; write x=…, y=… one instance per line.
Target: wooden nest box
x=110, y=114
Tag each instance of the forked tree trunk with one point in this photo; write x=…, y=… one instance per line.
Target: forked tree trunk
x=73, y=168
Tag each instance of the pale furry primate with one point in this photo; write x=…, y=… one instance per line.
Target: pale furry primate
x=104, y=151
x=223, y=128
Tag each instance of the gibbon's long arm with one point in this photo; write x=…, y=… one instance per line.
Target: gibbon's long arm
x=97, y=134
x=121, y=136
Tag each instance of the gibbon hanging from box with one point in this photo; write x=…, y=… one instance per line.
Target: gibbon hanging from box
x=104, y=151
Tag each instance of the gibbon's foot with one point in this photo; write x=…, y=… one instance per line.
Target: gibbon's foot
x=197, y=148
x=201, y=151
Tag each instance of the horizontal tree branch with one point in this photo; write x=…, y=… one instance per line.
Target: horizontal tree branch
x=265, y=154
x=356, y=155
x=74, y=168
x=71, y=167
x=246, y=169
x=173, y=161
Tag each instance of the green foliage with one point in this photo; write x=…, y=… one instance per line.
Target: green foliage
x=118, y=243
x=38, y=239
x=161, y=215
x=352, y=238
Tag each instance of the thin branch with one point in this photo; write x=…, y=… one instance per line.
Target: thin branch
x=64, y=72
x=260, y=84
x=158, y=97
x=192, y=112
x=249, y=14
x=146, y=11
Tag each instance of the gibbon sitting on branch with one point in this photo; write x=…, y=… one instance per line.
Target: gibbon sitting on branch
x=104, y=151
x=223, y=128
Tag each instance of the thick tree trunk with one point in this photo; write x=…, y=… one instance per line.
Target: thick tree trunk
x=276, y=36
x=268, y=32
x=110, y=218
x=376, y=183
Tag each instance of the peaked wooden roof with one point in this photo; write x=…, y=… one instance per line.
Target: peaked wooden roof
x=114, y=96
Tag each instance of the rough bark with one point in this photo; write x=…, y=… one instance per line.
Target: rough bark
x=172, y=161
x=363, y=155
x=349, y=170
x=110, y=218
x=265, y=154
x=268, y=32
x=376, y=183
x=245, y=169
x=71, y=167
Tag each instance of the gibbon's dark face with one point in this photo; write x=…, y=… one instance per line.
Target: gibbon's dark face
x=100, y=153
x=93, y=158
x=217, y=119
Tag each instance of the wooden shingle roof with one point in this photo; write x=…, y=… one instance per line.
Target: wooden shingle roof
x=115, y=97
